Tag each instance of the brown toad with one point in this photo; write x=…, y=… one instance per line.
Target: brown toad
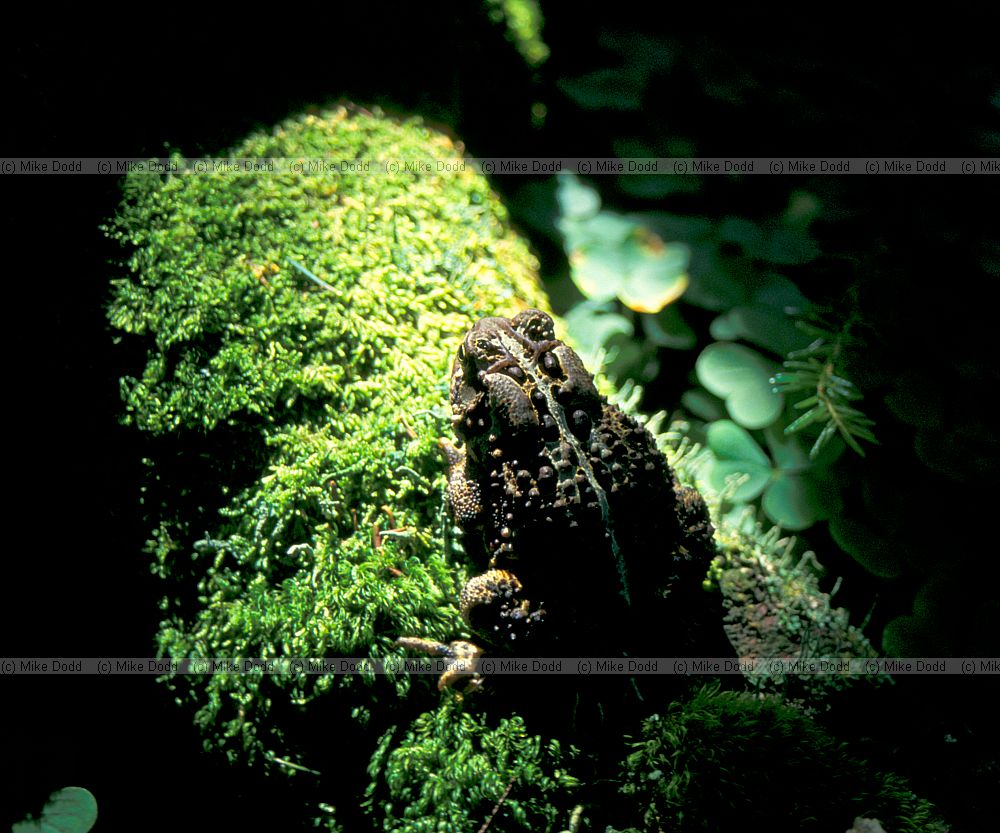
x=560, y=495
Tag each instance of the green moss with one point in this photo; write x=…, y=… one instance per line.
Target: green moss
x=452, y=769
x=325, y=406
x=524, y=21
x=728, y=761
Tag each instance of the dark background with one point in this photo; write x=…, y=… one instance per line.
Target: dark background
x=77, y=583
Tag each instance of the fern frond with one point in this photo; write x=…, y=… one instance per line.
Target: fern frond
x=829, y=394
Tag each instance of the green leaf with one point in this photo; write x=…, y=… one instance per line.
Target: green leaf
x=768, y=327
x=757, y=480
x=907, y=636
x=713, y=285
x=592, y=327
x=667, y=328
x=827, y=434
x=788, y=453
x=611, y=255
x=792, y=501
x=597, y=273
x=815, y=414
x=744, y=233
x=802, y=209
x=69, y=810
x=610, y=88
x=876, y=554
x=737, y=453
x=790, y=247
x=780, y=294
x=808, y=402
x=729, y=441
x=595, y=249
x=742, y=377
x=702, y=404
x=576, y=199
x=812, y=371
x=654, y=273
x=723, y=328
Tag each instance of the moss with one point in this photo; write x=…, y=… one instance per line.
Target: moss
x=332, y=545
x=727, y=761
x=452, y=771
x=523, y=19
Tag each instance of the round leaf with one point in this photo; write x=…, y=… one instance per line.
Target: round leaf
x=744, y=233
x=595, y=247
x=69, y=810
x=802, y=209
x=873, y=552
x=906, y=636
x=702, y=404
x=576, y=199
x=769, y=328
x=758, y=477
x=741, y=376
x=723, y=328
x=591, y=328
x=597, y=273
x=654, y=273
x=790, y=246
x=780, y=293
x=669, y=329
x=713, y=286
x=792, y=502
x=729, y=441
x=787, y=451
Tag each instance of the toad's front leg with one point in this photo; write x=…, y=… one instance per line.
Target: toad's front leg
x=491, y=604
x=464, y=655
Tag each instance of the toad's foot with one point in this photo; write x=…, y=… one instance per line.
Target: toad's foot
x=464, y=658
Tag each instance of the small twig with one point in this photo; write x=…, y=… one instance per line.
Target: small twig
x=496, y=807
x=291, y=765
x=311, y=276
